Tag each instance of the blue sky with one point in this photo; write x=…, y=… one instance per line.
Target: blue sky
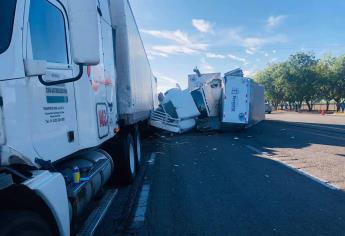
x=221, y=35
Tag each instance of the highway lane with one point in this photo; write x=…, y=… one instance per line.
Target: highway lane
x=214, y=185
x=234, y=183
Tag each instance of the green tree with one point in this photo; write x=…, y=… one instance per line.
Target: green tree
x=326, y=75
x=303, y=78
x=273, y=78
x=338, y=82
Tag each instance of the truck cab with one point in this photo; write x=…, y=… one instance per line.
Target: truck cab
x=58, y=112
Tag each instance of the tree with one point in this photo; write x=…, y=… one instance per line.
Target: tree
x=326, y=74
x=273, y=79
x=338, y=82
x=304, y=78
x=302, y=68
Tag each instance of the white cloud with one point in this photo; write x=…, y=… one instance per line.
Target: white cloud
x=250, y=43
x=236, y=58
x=165, y=82
x=274, y=21
x=250, y=52
x=168, y=79
x=248, y=73
x=152, y=54
x=213, y=55
x=202, y=25
x=205, y=66
x=182, y=43
x=177, y=36
x=178, y=49
x=274, y=51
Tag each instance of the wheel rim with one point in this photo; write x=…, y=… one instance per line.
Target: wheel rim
x=138, y=148
x=132, y=158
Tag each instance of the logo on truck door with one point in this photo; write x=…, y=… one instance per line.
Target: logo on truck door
x=56, y=98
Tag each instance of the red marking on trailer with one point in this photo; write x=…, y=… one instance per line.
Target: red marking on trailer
x=89, y=71
x=103, y=121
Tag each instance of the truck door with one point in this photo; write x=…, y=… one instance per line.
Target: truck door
x=53, y=114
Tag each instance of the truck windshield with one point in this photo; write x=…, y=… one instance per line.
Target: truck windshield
x=7, y=11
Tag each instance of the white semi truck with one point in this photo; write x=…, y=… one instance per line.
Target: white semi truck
x=75, y=86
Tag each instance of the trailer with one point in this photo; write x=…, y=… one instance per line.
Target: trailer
x=135, y=78
x=75, y=87
x=243, y=103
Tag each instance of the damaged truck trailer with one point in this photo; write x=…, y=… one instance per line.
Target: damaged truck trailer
x=211, y=103
x=75, y=87
x=243, y=102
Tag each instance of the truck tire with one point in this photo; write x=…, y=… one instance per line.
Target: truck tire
x=126, y=160
x=137, y=142
x=23, y=223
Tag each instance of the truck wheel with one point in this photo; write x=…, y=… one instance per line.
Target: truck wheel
x=23, y=223
x=137, y=141
x=127, y=160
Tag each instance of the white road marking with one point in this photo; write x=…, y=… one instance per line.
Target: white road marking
x=316, y=179
x=140, y=213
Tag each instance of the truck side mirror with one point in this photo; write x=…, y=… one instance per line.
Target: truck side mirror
x=84, y=32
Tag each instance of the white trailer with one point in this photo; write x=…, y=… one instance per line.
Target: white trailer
x=70, y=98
x=244, y=102
x=133, y=67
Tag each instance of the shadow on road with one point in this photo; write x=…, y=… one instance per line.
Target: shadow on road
x=209, y=184
x=271, y=134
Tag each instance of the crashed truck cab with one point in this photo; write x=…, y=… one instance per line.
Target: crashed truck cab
x=56, y=99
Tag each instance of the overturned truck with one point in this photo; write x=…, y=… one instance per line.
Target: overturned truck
x=232, y=100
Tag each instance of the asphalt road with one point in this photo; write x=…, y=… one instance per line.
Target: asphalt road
x=235, y=183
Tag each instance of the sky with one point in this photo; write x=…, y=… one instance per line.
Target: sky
x=221, y=35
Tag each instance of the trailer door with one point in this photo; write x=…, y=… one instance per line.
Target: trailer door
x=53, y=113
x=236, y=104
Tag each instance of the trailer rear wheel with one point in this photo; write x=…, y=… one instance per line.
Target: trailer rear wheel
x=137, y=141
x=126, y=161
x=23, y=223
